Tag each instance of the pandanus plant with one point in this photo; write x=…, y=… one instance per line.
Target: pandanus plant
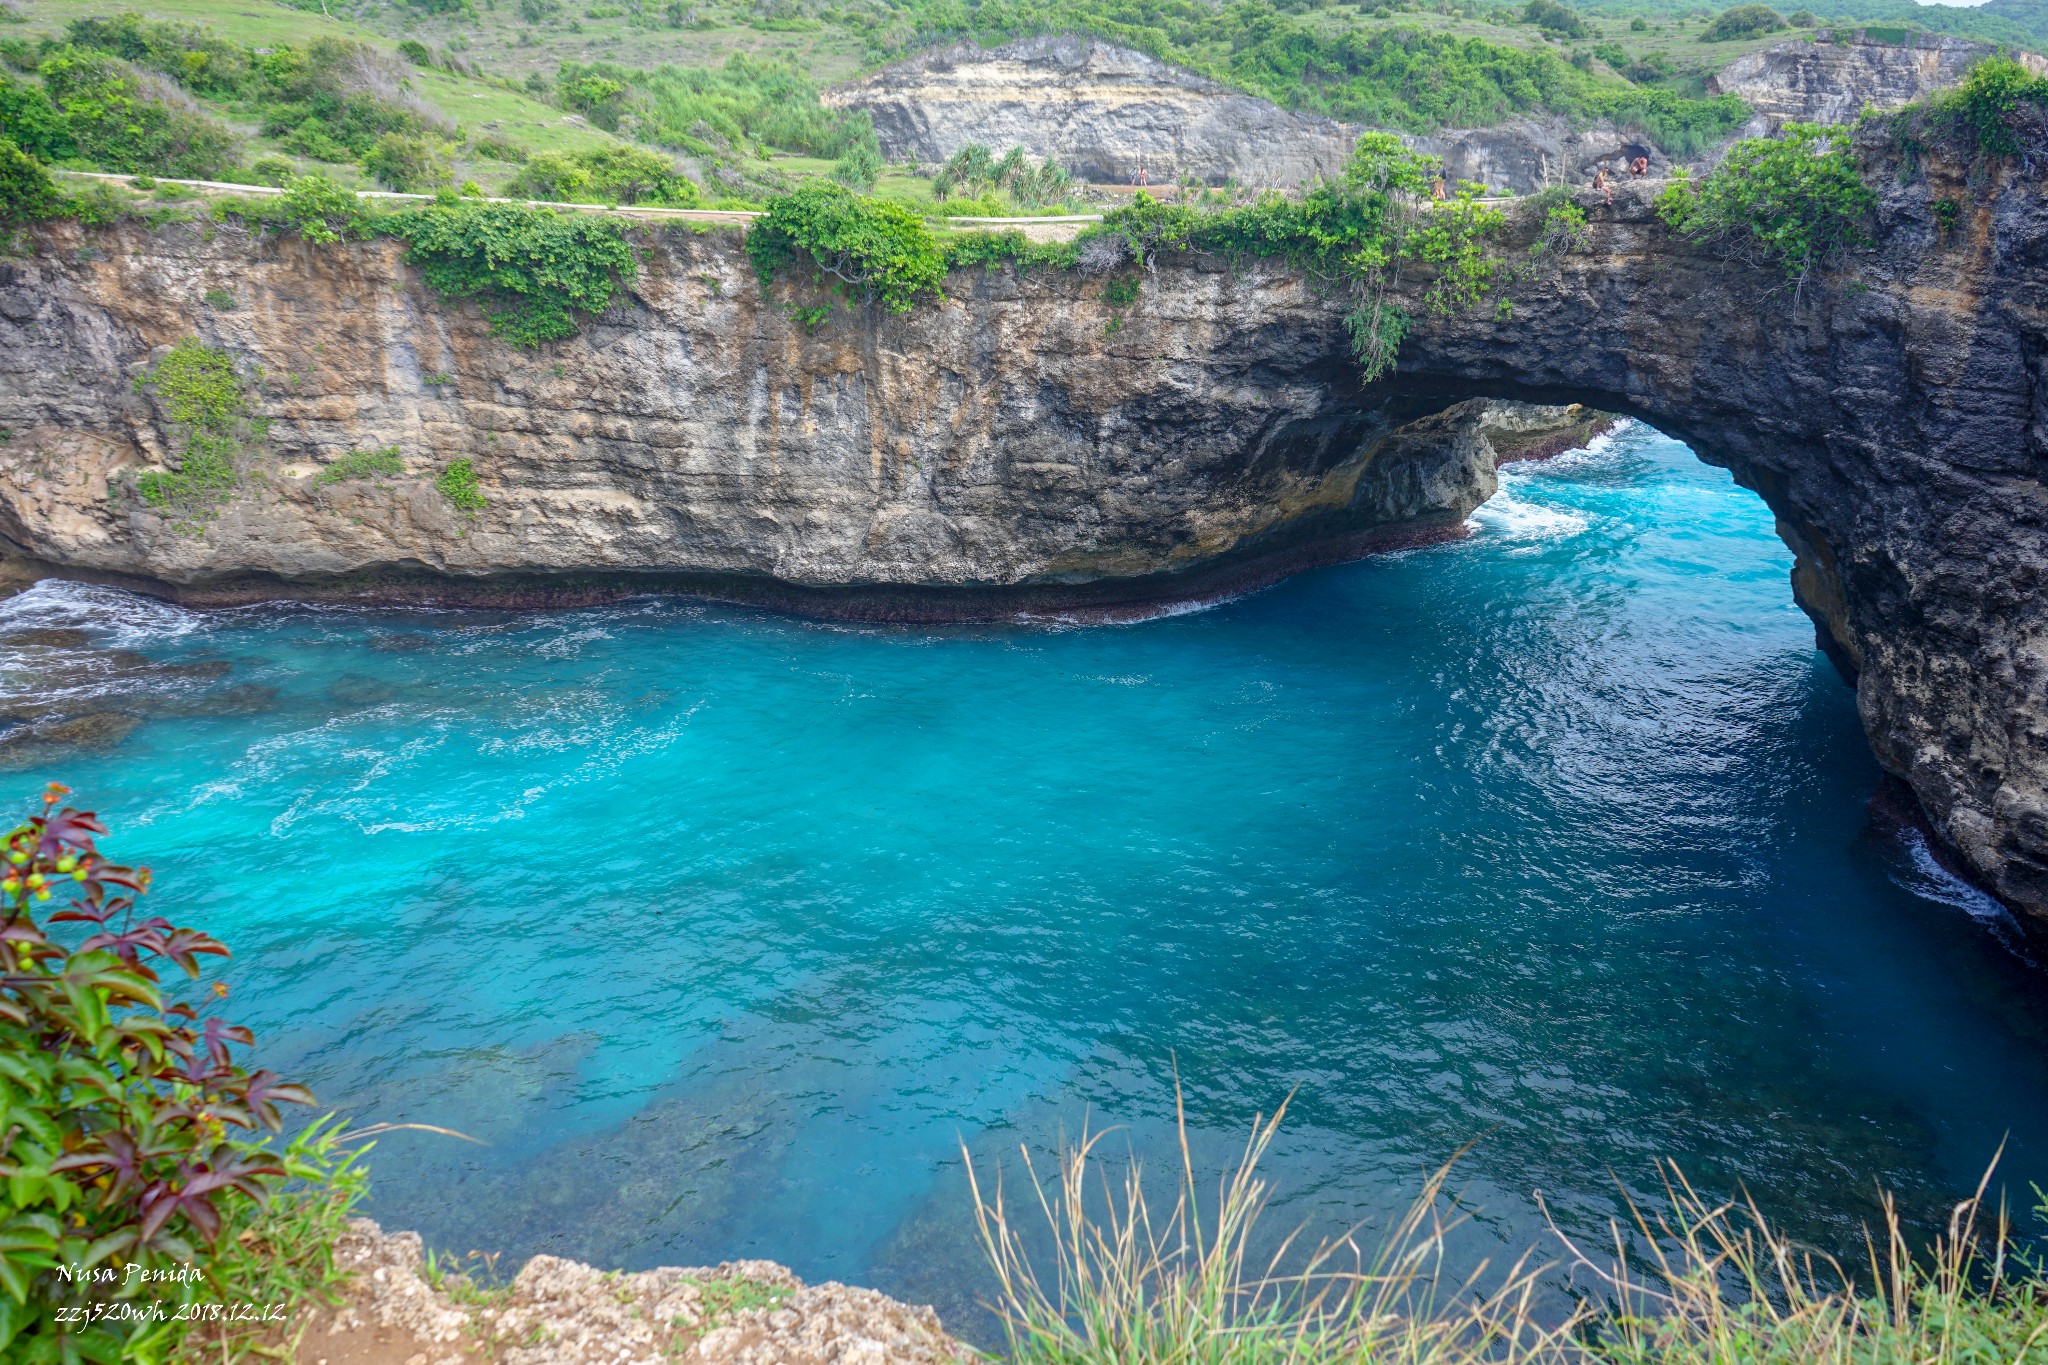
x=975, y=171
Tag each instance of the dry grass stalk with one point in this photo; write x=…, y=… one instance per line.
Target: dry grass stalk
x=1128, y=1285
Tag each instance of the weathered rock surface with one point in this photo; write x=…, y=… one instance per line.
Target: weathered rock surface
x=1008, y=441
x=1526, y=155
x=1026, y=444
x=558, y=1312
x=1103, y=112
x=1833, y=75
x=1106, y=112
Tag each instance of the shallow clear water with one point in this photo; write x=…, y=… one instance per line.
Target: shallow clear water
x=725, y=931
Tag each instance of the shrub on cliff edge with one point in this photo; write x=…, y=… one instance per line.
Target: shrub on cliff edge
x=532, y=270
x=1796, y=199
x=26, y=191
x=1990, y=97
x=135, y=1209
x=877, y=251
x=321, y=210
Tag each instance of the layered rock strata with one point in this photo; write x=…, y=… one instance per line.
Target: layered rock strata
x=1833, y=75
x=1104, y=112
x=1107, y=113
x=1031, y=443
x=1023, y=445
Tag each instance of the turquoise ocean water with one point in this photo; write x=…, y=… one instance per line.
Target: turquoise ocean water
x=724, y=932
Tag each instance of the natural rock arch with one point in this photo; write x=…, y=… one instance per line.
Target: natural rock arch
x=1027, y=443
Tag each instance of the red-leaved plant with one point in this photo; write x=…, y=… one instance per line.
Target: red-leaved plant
x=139, y=1198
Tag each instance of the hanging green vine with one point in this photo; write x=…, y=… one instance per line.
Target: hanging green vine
x=202, y=396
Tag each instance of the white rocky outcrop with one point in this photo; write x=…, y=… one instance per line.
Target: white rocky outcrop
x=558, y=1312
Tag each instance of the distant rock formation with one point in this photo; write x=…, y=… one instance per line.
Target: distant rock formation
x=1831, y=76
x=1525, y=155
x=1104, y=112
x=1107, y=113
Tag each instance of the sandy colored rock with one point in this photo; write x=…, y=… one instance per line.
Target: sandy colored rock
x=558, y=1312
x=1832, y=75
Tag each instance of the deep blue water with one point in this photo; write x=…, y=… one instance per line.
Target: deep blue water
x=724, y=931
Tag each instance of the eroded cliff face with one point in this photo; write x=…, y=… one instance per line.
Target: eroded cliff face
x=1025, y=444
x=1103, y=112
x=1833, y=75
x=1895, y=419
x=1106, y=113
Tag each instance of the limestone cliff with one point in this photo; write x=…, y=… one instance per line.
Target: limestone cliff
x=1103, y=112
x=1106, y=112
x=1832, y=76
x=1023, y=439
x=1028, y=444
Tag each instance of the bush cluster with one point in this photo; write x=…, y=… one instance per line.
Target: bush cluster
x=977, y=172
x=1355, y=234
x=876, y=251
x=1743, y=21
x=202, y=395
x=1796, y=199
x=532, y=270
x=458, y=483
x=1984, y=107
x=119, y=96
x=26, y=191
x=611, y=175
x=124, y=119
x=748, y=105
x=360, y=464
x=126, y=1124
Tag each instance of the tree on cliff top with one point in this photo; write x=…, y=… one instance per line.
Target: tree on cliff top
x=877, y=251
x=1796, y=199
x=26, y=191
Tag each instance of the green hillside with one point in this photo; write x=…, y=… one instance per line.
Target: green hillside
x=259, y=75
x=645, y=100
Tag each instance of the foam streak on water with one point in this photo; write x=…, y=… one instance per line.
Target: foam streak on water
x=723, y=931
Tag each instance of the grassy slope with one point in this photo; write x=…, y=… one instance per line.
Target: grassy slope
x=502, y=41
x=498, y=37
x=477, y=106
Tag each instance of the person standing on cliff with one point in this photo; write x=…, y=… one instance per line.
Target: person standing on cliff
x=1639, y=167
x=1436, y=188
x=1600, y=184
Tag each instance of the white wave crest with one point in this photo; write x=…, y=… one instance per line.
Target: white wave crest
x=127, y=619
x=1504, y=516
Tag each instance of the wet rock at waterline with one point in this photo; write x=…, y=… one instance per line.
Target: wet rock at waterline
x=32, y=744
x=61, y=697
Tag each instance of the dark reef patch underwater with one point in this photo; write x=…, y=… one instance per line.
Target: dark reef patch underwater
x=723, y=931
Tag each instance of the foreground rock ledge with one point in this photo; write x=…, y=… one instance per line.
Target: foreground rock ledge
x=559, y=1312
